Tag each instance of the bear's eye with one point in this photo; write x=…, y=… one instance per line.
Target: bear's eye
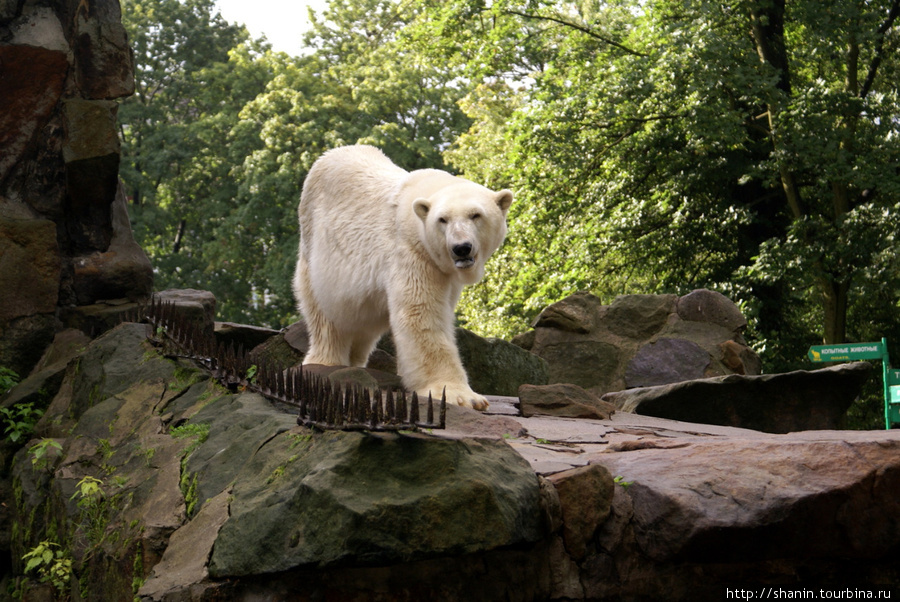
x=475, y=216
x=442, y=220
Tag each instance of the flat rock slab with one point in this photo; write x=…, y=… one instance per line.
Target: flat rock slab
x=774, y=403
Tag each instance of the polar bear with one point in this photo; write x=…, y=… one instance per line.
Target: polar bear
x=382, y=248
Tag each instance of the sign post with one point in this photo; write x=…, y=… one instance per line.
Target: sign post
x=846, y=352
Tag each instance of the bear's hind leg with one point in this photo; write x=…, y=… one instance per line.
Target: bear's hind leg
x=327, y=344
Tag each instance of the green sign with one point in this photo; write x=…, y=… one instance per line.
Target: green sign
x=847, y=352
x=867, y=351
x=893, y=377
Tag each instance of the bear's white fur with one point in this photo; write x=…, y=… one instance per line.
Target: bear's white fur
x=382, y=248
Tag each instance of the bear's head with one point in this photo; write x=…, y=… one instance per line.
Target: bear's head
x=463, y=224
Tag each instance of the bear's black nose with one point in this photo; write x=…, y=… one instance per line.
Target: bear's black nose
x=462, y=250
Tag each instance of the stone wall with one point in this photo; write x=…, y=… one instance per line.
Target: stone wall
x=65, y=238
x=640, y=340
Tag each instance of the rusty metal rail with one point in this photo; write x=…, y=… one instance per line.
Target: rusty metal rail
x=319, y=402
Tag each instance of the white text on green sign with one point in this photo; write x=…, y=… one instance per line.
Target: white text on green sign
x=846, y=352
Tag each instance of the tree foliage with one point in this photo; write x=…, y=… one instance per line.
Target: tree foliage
x=749, y=146
x=662, y=146
x=222, y=131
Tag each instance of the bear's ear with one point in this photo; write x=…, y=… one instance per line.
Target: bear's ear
x=504, y=199
x=421, y=207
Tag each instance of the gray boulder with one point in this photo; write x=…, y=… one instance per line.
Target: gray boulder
x=373, y=499
x=640, y=340
x=496, y=367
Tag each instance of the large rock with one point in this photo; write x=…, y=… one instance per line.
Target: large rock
x=209, y=493
x=64, y=64
x=196, y=306
x=563, y=400
x=374, y=499
x=170, y=447
x=640, y=340
x=773, y=403
x=29, y=261
x=702, y=515
x=496, y=367
x=121, y=270
x=666, y=361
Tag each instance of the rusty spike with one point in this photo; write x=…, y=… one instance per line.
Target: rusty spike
x=429, y=416
x=414, y=409
x=443, y=408
x=388, y=415
x=377, y=413
x=365, y=406
x=400, y=415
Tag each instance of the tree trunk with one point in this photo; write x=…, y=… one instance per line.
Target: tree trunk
x=835, y=297
x=179, y=235
x=767, y=30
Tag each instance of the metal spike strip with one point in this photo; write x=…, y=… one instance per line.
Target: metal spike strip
x=320, y=403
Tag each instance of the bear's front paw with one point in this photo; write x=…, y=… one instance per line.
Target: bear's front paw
x=461, y=396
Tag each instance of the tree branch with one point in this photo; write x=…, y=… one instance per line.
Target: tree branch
x=576, y=26
x=879, y=48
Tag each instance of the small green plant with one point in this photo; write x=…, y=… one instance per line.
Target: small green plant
x=51, y=564
x=89, y=490
x=19, y=420
x=251, y=374
x=191, y=429
x=200, y=430
x=189, y=491
x=105, y=449
x=40, y=453
x=147, y=453
x=8, y=379
x=542, y=441
x=93, y=509
x=620, y=480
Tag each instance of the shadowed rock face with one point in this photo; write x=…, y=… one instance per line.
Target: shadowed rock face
x=774, y=403
x=64, y=231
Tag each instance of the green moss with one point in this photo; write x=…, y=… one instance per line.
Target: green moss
x=137, y=572
x=279, y=471
x=199, y=430
x=189, y=491
x=299, y=439
x=184, y=377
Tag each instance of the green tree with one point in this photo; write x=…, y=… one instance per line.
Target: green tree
x=194, y=72
x=662, y=146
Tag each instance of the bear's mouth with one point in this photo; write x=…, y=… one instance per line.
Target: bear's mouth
x=465, y=263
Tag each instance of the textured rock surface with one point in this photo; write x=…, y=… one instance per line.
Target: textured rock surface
x=199, y=307
x=192, y=472
x=640, y=340
x=214, y=494
x=64, y=232
x=563, y=400
x=370, y=499
x=496, y=367
x=774, y=403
